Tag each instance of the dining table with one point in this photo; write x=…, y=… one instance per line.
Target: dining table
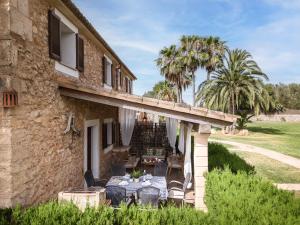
x=132, y=186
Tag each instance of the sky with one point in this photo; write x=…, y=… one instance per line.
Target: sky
x=138, y=29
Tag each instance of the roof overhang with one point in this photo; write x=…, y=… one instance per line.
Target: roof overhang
x=164, y=108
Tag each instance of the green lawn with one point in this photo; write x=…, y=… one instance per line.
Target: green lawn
x=283, y=137
x=271, y=169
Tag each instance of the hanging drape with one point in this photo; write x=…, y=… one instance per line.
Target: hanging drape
x=127, y=121
x=181, y=138
x=171, y=125
x=187, y=158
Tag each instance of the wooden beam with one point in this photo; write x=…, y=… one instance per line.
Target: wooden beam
x=141, y=107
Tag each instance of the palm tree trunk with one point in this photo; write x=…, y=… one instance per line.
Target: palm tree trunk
x=208, y=75
x=194, y=89
x=178, y=94
x=233, y=108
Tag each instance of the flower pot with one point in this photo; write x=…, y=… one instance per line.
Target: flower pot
x=136, y=180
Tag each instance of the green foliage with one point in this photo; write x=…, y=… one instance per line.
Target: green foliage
x=247, y=199
x=239, y=198
x=5, y=216
x=136, y=173
x=165, y=215
x=219, y=157
x=285, y=95
x=236, y=82
x=241, y=122
x=163, y=90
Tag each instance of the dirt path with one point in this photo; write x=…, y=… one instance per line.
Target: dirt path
x=292, y=161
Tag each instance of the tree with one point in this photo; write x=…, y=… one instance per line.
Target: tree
x=173, y=69
x=190, y=57
x=236, y=82
x=163, y=90
x=214, y=49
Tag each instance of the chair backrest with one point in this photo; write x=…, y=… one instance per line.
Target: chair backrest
x=186, y=181
x=89, y=178
x=115, y=194
x=160, y=169
x=118, y=170
x=148, y=196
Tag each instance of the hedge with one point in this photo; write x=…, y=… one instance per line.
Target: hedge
x=234, y=195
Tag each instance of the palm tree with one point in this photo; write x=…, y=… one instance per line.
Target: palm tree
x=238, y=79
x=214, y=49
x=173, y=69
x=190, y=58
x=164, y=90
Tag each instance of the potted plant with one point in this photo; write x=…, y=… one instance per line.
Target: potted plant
x=136, y=174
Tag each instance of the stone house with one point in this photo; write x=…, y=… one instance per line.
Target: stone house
x=56, y=71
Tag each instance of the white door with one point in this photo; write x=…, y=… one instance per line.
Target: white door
x=91, y=147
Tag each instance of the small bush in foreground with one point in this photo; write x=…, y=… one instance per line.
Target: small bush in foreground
x=248, y=199
x=219, y=157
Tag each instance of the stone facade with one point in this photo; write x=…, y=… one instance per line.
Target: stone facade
x=37, y=160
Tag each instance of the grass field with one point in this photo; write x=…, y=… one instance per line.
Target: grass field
x=271, y=169
x=283, y=137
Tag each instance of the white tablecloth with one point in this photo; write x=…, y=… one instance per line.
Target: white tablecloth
x=132, y=187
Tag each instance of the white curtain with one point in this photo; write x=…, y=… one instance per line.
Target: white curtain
x=171, y=125
x=127, y=121
x=181, y=138
x=187, y=158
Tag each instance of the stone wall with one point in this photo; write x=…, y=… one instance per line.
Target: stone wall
x=37, y=159
x=278, y=118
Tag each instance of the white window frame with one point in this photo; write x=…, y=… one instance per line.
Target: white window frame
x=69, y=71
x=107, y=74
x=109, y=135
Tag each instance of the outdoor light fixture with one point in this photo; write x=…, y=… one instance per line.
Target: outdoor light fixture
x=71, y=125
x=8, y=95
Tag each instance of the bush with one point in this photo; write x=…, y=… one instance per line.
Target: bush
x=219, y=157
x=53, y=213
x=239, y=198
x=248, y=199
x=5, y=216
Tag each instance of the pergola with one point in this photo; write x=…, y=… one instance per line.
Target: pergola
x=201, y=118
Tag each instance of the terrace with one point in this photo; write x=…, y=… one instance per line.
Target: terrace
x=149, y=147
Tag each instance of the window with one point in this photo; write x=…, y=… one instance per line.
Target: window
x=65, y=45
x=107, y=72
x=128, y=85
x=108, y=135
x=118, y=78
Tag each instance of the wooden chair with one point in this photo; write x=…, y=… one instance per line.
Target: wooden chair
x=180, y=192
x=175, y=162
x=160, y=169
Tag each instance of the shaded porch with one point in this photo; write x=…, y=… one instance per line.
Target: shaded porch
x=198, y=119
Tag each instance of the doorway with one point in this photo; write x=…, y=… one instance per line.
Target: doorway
x=91, y=147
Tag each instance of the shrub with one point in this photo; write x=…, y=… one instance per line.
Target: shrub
x=248, y=199
x=5, y=216
x=219, y=157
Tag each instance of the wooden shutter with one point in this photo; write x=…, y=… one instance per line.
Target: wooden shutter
x=113, y=133
x=104, y=70
x=121, y=79
x=126, y=84
x=79, y=53
x=54, y=35
x=112, y=76
x=117, y=78
x=104, y=135
x=130, y=86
